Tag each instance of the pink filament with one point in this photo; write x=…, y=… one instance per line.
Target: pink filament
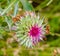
x=35, y=31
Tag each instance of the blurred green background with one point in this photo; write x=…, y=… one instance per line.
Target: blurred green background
x=48, y=8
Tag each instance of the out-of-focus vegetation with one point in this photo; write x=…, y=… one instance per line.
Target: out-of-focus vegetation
x=48, y=8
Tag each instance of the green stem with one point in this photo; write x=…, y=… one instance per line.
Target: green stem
x=54, y=34
x=8, y=8
x=26, y=5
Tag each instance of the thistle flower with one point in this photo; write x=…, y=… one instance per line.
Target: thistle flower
x=30, y=29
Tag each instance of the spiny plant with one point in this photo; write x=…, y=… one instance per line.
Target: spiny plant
x=30, y=29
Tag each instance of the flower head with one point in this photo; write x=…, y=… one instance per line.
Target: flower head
x=34, y=31
x=30, y=30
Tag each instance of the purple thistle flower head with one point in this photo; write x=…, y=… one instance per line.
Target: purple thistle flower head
x=30, y=30
x=34, y=31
